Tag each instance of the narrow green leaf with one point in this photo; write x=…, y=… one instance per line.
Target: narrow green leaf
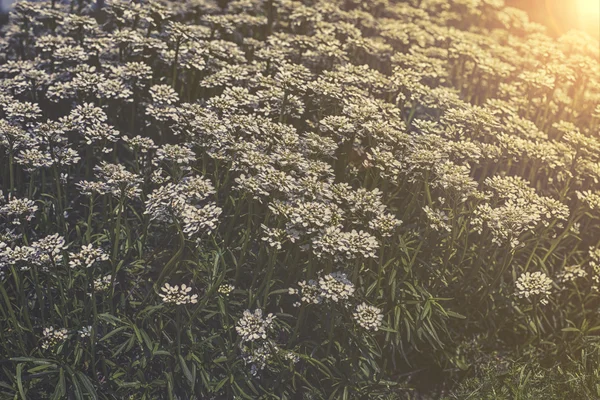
x=20, y=381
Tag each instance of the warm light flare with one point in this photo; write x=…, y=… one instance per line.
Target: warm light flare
x=588, y=14
x=588, y=8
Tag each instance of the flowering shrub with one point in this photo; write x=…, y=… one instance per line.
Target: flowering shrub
x=279, y=199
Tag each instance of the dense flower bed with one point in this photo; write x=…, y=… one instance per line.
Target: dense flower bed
x=318, y=199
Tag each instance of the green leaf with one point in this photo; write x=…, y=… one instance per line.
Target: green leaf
x=186, y=370
x=455, y=314
x=20, y=381
x=112, y=333
x=570, y=329
x=87, y=384
x=61, y=388
x=110, y=318
x=34, y=360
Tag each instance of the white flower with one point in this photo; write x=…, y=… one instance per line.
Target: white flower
x=202, y=219
x=19, y=255
x=309, y=292
x=174, y=153
x=571, y=273
x=52, y=337
x=88, y=256
x=384, y=224
x=103, y=283
x=534, y=285
x=336, y=287
x=252, y=326
x=177, y=295
x=51, y=245
x=86, y=331
x=369, y=317
x=226, y=289
x=438, y=219
x=19, y=208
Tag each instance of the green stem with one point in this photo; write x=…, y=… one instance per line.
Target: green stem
x=174, y=73
x=88, y=231
x=11, y=171
x=178, y=327
x=115, y=252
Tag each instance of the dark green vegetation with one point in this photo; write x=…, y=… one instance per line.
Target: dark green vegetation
x=297, y=200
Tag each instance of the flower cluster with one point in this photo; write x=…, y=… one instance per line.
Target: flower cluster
x=177, y=295
x=49, y=248
x=534, y=286
x=253, y=326
x=87, y=257
x=571, y=273
x=18, y=210
x=103, y=283
x=336, y=287
x=226, y=289
x=185, y=202
x=84, y=332
x=369, y=317
x=53, y=337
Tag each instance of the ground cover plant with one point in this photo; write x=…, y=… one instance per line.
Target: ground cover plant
x=318, y=199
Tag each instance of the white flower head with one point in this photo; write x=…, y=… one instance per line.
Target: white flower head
x=252, y=326
x=53, y=337
x=336, y=287
x=178, y=295
x=369, y=317
x=534, y=286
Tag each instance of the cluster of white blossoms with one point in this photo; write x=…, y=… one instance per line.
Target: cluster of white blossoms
x=18, y=209
x=309, y=292
x=226, y=289
x=200, y=219
x=594, y=262
x=369, y=317
x=438, y=219
x=186, y=202
x=571, y=273
x=336, y=287
x=102, y=283
x=274, y=237
x=21, y=256
x=258, y=355
x=174, y=154
x=114, y=179
x=178, y=295
x=252, y=326
x=84, y=332
x=534, y=286
x=87, y=257
x=344, y=246
x=53, y=337
x=33, y=159
x=591, y=199
x=385, y=224
x=42, y=253
x=520, y=210
x=49, y=248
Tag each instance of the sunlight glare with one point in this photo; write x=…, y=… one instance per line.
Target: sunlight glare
x=588, y=8
x=588, y=12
